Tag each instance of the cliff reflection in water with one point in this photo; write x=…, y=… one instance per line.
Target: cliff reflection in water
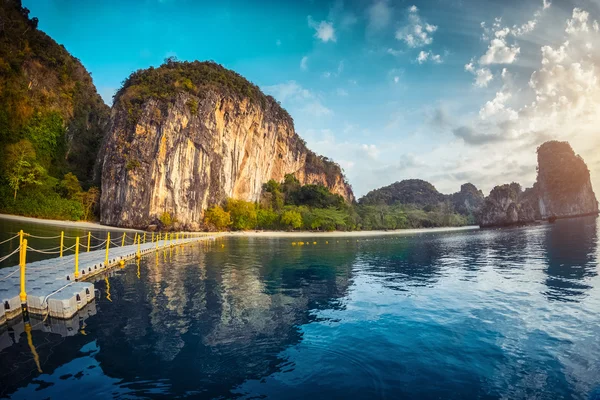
x=488, y=313
x=213, y=327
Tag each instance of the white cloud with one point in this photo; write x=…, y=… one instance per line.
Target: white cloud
x=294, y=95
x=278, y=42
x=578, y=22
x=371, y=150
x=323, y=30
x=317, y=109
x=499, y=52
x=546, y=4
x=341, y=92
x=396, y=79
x=394, y=52
x=379, y=15
x=304, y=63
x=483, y=76
x=290, y=90
x=417, y=33
x=425, y=56
x=497, y=108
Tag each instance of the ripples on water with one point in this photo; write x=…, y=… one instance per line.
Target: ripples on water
x=510, y=313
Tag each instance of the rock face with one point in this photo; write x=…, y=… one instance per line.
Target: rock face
x=563, y=189
x=506, y=205
x=423, y=194
x=468, y=201
x=47, y=97
x=563, y=182
x=408, y=191
x=205, y=135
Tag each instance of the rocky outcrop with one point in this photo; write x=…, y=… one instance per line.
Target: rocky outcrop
x=506, y=205
x=424, y=195
x=468, y=201
x=409, y=191
x=563, y=183
x=186, y=136
x=563, y=189
x=47, y=97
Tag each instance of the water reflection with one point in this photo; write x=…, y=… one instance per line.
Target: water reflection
x=508, y=313
x=571, y=258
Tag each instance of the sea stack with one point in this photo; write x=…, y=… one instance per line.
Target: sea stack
x=187, y=135
x=563, y=189
x=563, y=182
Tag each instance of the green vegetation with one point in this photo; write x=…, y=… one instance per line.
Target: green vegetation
x=194, y=78
x=290, y=205
x=217, y=218
x=51, y=123
x=166, y=219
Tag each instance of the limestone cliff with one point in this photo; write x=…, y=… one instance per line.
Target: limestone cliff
x=506, y=205
x=563, y=189
x=186, y=136
x=563, y=182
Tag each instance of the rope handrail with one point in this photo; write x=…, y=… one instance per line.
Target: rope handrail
x=75, y=237
x=98, y=245
x=9, y=239
x=96, y=237
x=41, y=237
x=7, y=256
x=50, y=252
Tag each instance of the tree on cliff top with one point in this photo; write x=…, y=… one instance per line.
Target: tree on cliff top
x=172, y=77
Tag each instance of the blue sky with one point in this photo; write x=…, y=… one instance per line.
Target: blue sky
x=450, y=91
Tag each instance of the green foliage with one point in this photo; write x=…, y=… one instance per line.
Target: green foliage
x=20, y=167
x=90, y=199
x=40, y=202
x=45, y=132
x=243, y=214
x=132, y=164
x=291, y=219
x=71, y=187
x=326, y=219
x=195, y=78
x=166, y=219
x=217, y=218
x=267, y=218
x=44, y=93
x=193, y=106
x=314, y=196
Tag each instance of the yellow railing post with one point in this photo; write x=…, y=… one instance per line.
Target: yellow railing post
x=22, y=262
x=76, y=257
x=138, y=255
x=107, y=246
x=21, y=237
x=62, y=241
x=89, y=237
x=152, y=237
x=144, y=237
x=156, y=243
x=123, y=240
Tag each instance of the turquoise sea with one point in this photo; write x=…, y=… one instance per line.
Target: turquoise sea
x=486, y=314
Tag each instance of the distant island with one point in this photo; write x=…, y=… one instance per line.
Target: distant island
x=195, y=146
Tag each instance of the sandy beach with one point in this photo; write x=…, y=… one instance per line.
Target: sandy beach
x=72, y=224
x=266, y=234
x=306, y=234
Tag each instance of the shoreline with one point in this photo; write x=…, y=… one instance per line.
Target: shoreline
x=70, y=224
x=284, y=234
x=253, y=233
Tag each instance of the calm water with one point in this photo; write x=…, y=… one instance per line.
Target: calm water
x=511, y=314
